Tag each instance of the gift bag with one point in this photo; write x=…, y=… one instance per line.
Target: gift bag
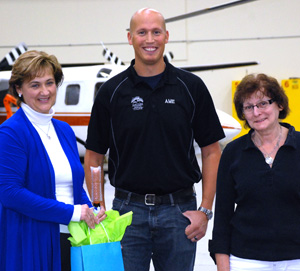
x=99, y=249
x=99, y=257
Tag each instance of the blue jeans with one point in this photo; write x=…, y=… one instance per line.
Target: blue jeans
x=157, y=233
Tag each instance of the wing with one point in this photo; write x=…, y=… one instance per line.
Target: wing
x=207, y=10
x=218, y=66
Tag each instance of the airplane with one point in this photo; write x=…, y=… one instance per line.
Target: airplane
x=76, y=95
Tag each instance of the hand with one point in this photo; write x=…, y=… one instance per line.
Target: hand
x=88, y=216
x=197, y=229
x=101, y=215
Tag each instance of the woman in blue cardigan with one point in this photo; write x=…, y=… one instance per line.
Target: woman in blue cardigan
x=41, y=177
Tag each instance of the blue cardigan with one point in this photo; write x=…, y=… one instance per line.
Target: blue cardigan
x=29, y=212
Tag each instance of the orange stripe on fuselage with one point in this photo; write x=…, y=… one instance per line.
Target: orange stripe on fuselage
x=2, y=119
x=71, y=118
x=74, y=120
x=229, y=127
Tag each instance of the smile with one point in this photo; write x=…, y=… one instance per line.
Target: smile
x=258, y=121
x=150, y=49
x=43, y=99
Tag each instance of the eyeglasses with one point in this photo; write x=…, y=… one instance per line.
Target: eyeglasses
x=261, y=105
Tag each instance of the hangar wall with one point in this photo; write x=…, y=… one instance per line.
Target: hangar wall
x=267, y=31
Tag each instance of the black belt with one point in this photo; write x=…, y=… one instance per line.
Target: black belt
x=180, y=196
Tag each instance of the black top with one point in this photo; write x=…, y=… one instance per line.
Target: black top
x=150, y=132
x=257, y=213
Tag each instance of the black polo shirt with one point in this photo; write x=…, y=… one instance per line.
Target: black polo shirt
x=150, y=132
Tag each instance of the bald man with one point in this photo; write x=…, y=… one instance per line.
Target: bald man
x=148, y=117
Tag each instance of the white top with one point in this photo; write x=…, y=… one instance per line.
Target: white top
x=62, y=169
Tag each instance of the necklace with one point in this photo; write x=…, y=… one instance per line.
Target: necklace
x=47, y=134
x=268, y=158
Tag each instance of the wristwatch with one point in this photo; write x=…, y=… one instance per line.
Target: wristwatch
x=209, y=213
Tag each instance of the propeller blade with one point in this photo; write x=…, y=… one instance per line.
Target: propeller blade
x=207, y=10
x=7, y=62
x=169, y=56
x=111, y=57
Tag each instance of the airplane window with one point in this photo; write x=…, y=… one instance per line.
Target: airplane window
x=72, y=94
x=2, y=95
x=97, y=87
x=4, y=85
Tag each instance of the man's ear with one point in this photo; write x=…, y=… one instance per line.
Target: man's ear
x=129, y=38
x=167, y=37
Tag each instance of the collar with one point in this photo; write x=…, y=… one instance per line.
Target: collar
x=169, y=75
x=36, y=117
x=290, y=140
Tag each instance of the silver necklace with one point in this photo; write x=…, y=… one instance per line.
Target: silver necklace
x=268, y=158
x=47, y=134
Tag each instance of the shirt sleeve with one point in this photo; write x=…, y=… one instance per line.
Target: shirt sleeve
x=206, y=124
x=77, y=213
x=224, y=207
x=99, y=125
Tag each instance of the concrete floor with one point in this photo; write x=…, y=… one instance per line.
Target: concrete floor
x=203, y=260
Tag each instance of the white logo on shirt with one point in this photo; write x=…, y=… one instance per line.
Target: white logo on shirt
x=137, y=103
x=170, y=101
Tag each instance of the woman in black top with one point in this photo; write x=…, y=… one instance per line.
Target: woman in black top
x=257, y=217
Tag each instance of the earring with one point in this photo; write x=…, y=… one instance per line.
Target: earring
x=20, y=95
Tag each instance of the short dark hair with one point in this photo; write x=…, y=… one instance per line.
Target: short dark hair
x=265, y=84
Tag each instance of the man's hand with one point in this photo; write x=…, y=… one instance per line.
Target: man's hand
x=197, y=229
x=101, y=215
